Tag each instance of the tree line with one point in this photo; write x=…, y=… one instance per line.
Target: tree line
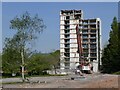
x=111, y=53
x=35, y=64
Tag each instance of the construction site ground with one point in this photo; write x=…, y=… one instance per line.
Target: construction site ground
x=69, y=81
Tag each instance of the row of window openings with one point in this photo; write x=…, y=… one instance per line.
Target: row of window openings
x=91, y=36
x=68, y=27
x=67, y=50
x=91, y=40
x=85, y=54
x=91, y=54
x=92, y=24
x=67, y=36
x=92, y=50
x=90, y=31
x=67, y=31
x=67, y=41
x=84, y=45
x=83, y=36
x=80, y=25
x=67, y=54
x=77, y=16
x=67, y=13
x=86, y=26
x=84, y=40
x=91, y=46
x=84, y=32
x=67, y=61
x=86, y=23
x=67, y=45
x=67, y=23
x=84, y=51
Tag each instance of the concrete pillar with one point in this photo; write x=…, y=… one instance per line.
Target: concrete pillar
x=95, y=66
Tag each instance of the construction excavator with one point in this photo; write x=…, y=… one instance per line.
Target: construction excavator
x=84, y=66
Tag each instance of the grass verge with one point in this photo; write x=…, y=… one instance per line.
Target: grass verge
x=117, y=73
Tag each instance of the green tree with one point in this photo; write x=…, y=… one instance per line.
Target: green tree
x=28, y=29
x=55, y=60
x=38, y=63
x=111, y=54
x=11, y=56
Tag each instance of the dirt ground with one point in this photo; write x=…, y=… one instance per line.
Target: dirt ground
x=103, y=82
x=90, y=81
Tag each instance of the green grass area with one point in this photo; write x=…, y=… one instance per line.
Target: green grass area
x=14, y=83
x=47, y=75
x=58, y=75
x=20, y=82
x=11, y=76
x=117, y=73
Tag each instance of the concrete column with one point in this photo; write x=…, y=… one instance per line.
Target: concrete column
x=95, y=66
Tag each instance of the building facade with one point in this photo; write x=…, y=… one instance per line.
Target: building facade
x=90, y=30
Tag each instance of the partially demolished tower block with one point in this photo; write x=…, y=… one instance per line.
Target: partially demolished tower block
x=90, y=30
